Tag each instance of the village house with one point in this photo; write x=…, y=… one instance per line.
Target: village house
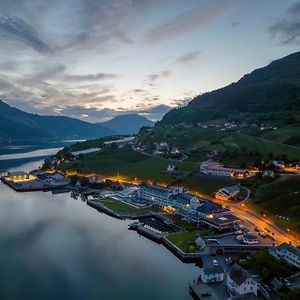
x=211, y=273
x=57, y=180
x=240, y=282
x=227, y=193
x=288, y=253
x=217, y=169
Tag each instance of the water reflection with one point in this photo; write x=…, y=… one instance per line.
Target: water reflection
x=53, y=247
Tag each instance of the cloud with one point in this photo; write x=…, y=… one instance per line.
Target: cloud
x=157, y=76
x=17, y=30
x=188, y=57
x=89, y=77
x=287, y=30
x=294, y=9
x=187, y=22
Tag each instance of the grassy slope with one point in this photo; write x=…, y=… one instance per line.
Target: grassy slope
x=182, y=137
x=261, y=145
x=281, y=197
x=289, y=135
x=132, y=165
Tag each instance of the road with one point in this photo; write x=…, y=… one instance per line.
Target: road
x=280, y=235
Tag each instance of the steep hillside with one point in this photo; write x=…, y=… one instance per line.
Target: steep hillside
x=17, y=124
x=127, y=124
x=269, y=93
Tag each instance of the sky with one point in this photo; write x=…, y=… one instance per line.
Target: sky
x=95, y=59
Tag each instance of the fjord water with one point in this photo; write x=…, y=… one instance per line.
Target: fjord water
x=55, y=247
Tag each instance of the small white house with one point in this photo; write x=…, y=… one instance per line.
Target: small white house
x=227, y=193
x=239, y=282
x=290, y=254
x=212, y=274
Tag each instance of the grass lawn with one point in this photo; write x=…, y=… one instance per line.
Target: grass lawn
x=119, y=206
x=185, y=240
x=177, y=219
x=207, y=185
x=122, y=207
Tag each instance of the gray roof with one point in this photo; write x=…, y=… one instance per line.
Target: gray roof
x=290, y=248
x=155, y=187
x=238, y=274
x=232, y=188
x=17, y=173
x=210, y=208
x=225, y=218
x=213, y=270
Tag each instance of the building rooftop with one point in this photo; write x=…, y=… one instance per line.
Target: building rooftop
x=290, y=248
x=213, y=270
x=232, y=188
x=208, y=207
x=17, y=173
x=156, y=187
x=238, y=274
x=225, y=218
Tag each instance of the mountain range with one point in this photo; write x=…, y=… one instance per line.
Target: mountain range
x=17, y=124
x=268, y=93
x=127, y=124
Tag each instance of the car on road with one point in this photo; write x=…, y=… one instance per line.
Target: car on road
x=206, y=294
x=238, y=232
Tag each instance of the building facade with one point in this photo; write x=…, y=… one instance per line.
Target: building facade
x=290, y=254
x=239, y=282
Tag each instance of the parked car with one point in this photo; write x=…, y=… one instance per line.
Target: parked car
x=238, y=232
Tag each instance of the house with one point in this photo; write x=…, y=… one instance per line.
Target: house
x=289, y=254
x=171, y=168
x=211, y=273
x=214, y=168
x=240, y=282
x=57, y=180
x=227, y=193
x=96, y=179
x=19, y=176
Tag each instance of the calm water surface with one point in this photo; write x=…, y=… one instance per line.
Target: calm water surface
x=55, y=247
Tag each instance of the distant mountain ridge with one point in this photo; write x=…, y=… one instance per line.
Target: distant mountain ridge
x=127, y=124
x=270, y=93
x=17, y=124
